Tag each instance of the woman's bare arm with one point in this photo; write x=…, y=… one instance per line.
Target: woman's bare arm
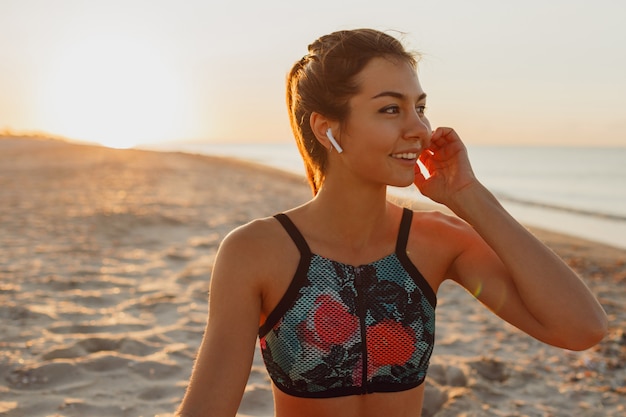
x=522, y=280
x=225, y=356
x=502, y=263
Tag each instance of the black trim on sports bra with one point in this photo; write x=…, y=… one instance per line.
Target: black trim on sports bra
x=401, y=253
x=300, y=276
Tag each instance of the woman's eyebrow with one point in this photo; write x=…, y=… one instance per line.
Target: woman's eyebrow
x=397, y=95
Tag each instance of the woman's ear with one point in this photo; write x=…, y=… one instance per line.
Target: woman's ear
x=323, y=130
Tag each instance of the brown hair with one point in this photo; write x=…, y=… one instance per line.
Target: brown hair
x=323, y=81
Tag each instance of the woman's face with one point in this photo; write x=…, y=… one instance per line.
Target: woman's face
x=386, y=128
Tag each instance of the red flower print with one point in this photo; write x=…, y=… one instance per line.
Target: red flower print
x=333, y=322
x=309, y=336
x=390, y=343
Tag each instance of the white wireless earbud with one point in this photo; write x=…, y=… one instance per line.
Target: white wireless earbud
x=331, y=138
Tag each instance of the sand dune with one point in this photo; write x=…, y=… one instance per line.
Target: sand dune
x=105, y=259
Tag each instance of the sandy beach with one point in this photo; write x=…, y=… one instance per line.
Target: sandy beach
x=105, y=261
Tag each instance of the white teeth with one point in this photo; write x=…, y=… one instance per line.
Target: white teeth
x=404, y=155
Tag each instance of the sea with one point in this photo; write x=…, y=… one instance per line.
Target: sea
x=580, y=191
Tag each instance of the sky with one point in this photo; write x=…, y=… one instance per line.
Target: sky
x=129, y=72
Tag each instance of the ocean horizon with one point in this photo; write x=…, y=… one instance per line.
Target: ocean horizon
x=580, y=191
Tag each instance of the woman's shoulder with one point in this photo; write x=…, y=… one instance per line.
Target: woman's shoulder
x=259, y=248
x=436, y=239
x=443, y=231
x=251, y=255
x=258, y=235
x=437, y=220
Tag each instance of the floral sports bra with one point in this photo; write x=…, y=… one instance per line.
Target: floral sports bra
x=347, y=330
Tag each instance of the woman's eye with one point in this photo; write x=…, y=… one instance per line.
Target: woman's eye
x=396, y=109
x=390, y=110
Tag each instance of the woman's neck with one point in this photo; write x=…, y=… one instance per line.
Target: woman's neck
x=357, y=216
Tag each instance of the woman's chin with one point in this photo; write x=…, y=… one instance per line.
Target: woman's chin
x=401, y=183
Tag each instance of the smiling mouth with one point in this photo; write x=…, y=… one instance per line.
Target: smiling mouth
x=406, y=156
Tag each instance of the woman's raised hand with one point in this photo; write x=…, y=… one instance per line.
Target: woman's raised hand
x=448, y=166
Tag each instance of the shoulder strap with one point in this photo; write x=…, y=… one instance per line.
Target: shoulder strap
x=299, y=279
x=405, y=228
x=294, y=233
x=403, y=238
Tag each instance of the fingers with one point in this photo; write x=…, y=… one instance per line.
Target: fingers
x=423, y=168
x=425, y=156
x=445, y=144
x=442, y=136
x=419, y=178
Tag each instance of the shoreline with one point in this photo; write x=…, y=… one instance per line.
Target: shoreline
x=602, y=227
x=104, y=274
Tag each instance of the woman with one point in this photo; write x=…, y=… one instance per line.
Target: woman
x=341, y=291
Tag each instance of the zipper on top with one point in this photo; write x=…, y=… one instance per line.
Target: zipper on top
x=362, y=312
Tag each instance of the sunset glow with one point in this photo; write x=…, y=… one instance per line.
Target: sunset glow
x=114, y=91
x=123, y=73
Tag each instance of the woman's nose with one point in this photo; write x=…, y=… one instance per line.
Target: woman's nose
x=419, y=130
